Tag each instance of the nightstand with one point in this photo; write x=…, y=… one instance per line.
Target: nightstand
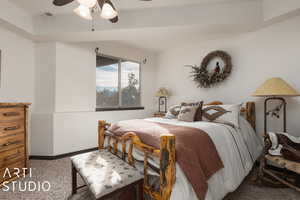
x=159, y=114
x=286, y=172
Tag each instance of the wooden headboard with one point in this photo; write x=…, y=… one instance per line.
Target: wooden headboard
x=250, y=113
x=247, y=110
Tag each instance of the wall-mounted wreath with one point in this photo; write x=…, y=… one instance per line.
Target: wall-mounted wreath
x=205, y=78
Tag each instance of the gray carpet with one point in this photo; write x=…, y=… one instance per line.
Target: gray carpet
x=58, y=173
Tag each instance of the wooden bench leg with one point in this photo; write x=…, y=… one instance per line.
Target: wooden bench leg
x=140, y=190
x=74, y=180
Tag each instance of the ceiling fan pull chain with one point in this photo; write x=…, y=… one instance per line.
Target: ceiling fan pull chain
x=93, y=21
x=93, y=25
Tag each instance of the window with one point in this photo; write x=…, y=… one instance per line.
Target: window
x=117, y=84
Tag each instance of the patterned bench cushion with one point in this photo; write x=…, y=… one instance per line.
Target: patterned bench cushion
x=104, y=172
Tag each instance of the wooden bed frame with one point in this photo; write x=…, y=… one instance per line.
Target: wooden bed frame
x=166, y=153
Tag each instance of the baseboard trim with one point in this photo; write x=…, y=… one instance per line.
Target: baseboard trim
x=36, y=157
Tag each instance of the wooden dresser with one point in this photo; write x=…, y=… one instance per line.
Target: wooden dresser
x=13, y=138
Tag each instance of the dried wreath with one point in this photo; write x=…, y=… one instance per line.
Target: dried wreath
x=206, y=79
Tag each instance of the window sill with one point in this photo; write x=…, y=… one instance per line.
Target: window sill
x=119, y=109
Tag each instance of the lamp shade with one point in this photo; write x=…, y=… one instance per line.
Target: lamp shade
x=162, y=92
x=275, y=87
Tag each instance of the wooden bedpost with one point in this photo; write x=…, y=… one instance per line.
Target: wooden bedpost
x=167, y=165
x=251, y=114
x=101, y=133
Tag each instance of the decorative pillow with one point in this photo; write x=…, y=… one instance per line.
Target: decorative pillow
x=226, y=114
x=198, y=114
x=173, y=112
x=190, y=111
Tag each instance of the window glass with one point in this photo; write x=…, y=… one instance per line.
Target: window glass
x=130, y=84
x=107, y=82
x=117, y=83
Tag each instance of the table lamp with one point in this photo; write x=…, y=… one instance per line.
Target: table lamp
x=275, y=89
x=162, y=93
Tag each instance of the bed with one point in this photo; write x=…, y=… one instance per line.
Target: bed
x=237, y=148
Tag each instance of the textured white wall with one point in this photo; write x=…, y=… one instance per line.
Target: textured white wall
x=271, y=52
x=42, y=123
x=75, y=82
x=65, y=120
x=75, y=119
x=45, y=67
x=17, y=68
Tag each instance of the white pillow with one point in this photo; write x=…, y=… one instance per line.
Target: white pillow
x=173, y=112
x=225, y=114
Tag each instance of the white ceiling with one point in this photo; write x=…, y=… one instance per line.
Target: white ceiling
x=153, y=25
x=37, y=7
x=154, y=39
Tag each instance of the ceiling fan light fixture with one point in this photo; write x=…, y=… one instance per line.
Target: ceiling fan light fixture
x=87, y=3
x=83, y=12
x=108, y=12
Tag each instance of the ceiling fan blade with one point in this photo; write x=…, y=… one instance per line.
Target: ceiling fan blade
x=61, y=2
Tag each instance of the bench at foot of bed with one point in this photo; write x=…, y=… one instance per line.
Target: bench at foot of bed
x=106, y=175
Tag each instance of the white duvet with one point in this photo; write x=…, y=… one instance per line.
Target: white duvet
x=238, y=149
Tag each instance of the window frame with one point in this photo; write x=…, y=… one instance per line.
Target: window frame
x=120, y=107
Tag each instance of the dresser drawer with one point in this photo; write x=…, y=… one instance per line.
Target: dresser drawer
x=11, y=142
x=12, y=168
x=13, y=113
x=10, y=128
x=12, y=156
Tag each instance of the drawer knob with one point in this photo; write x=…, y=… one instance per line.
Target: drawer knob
x=11, y=114
x=10, y=143
x=11, y=128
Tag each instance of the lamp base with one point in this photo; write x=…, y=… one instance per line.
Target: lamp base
x=162, y=101
x=266, y=113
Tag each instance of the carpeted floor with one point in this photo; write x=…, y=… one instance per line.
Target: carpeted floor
x=58, y=173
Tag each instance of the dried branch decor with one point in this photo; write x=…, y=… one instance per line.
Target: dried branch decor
x=206, y=79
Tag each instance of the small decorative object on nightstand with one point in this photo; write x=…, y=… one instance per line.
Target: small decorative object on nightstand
x=286, y=172
x=162, y=93
x=276, y=89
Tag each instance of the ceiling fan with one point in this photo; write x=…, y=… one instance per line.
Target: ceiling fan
x=87, y=9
